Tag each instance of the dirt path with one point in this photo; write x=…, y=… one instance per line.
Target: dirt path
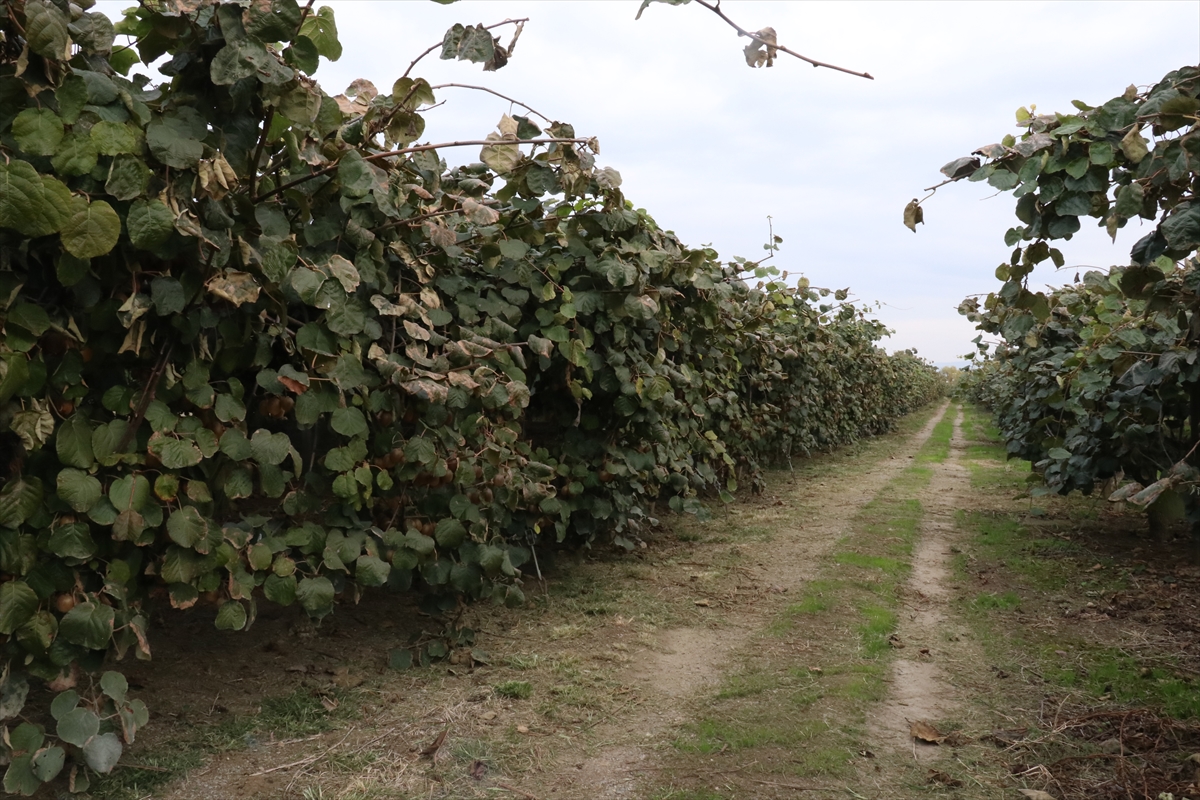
x=618, y=656
x=688, y=661
x=921, y=688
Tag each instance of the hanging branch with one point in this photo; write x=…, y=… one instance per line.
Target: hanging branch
x=528, y=108
x=518, y=22
x=770, y=44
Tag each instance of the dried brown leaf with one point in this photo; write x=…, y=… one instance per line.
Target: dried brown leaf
x=919, y=729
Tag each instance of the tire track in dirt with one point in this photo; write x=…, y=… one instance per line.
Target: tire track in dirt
x=687, y=661
x=921, y=689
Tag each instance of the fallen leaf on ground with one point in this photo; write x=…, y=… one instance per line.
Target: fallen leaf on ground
x=922, y=730
x=1037, y=794
x=522, y=729
x=704, y=603
x=478, y=769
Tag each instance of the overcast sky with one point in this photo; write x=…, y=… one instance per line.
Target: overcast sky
x=711, y=147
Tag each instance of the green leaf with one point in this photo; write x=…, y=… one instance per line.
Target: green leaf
x=27, y=737
x=400, y=659
x=19, y=499
x=501, y=158
x=48, y=763
x=187, y=527
x=1058, y=453
x=123, y=59
x=175, y=141
x=130, y=492
x=92, y=228
x=32, y=318
x=114, y=685
x=19, y=778
x=420, y=450
x=230, y=409
x=128, y=526
x=303, y=55
x=269, y=448
x=371, y=571
x=516, y=249
x=73, y=442
x=93, y=32
x=179, y=454
x=167, y=295
x=280, y=589
x=103, y=752
x=77, y=726
x=64, y=702
x=78, y=489
x=349, y=421
x=231, y=616
x=238, y=484
x=88, y=624
x=315, y=596
x=38, y=131
x=31, y=204
x=235, y=444
x=72, y=540
x=150, y=224
x=128, y=178
x=450, y=533
x=469, y=43
x=18, y=603
x=76, y=155
x=246, y=58
x=320, y=29
x=46, y=30
x=112, y=138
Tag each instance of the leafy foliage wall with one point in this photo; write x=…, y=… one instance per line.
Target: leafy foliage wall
x=1100, y=379
x=259, y=345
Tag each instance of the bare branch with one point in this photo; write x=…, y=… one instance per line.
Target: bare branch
x=493, y=91
x=419, y=149
x=521, y=21
x=716, y=9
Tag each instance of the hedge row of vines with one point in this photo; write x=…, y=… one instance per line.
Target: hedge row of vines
x=257, y=345
x=1099, y=380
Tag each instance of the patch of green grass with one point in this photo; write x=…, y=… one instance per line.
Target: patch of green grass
x=879, y=623
x=937, y=448
x=130, y=783
x=523, y=661
x=888, y=566
x=990, y=601
x=713, y=734
x=747, y=685
x=516, y=690
x=1120, y=675
x=303, y=713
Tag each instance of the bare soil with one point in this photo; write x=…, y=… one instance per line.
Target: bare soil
x=921, y=690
